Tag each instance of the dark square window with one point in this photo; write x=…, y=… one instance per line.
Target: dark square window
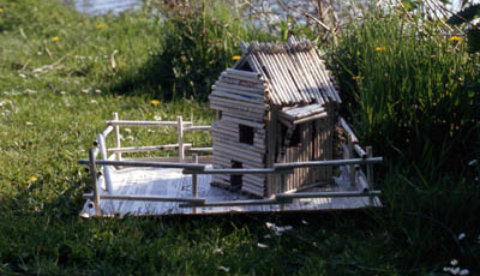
x=246, y=134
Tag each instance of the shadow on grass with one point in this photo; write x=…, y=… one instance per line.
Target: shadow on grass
x=170, y=76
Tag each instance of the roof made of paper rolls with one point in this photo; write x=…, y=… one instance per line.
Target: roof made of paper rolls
x=294, y=72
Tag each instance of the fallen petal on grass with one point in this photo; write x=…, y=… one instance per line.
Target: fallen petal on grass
x=270, y=225
x=29, y=91
x=261, y=245
x=224, y=268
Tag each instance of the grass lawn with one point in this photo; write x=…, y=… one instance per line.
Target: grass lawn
x=62, y=74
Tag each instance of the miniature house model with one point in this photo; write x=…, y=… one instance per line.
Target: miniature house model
x=277, y=104
x=275, y=125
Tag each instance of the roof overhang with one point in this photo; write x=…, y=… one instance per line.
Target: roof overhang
x=291, y=116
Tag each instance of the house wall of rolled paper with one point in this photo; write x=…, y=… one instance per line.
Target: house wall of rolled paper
x=277, y=104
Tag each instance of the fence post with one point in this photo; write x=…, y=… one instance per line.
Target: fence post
x=195, y=182
x=370, y=172
x=181, y=150
x=106, y=169
x=350, y=155
x=283, y=183
x=118, y=155
x=195, y=177
x=93, y=175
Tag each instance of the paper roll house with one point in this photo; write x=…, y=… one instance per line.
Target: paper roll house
x=277, y=104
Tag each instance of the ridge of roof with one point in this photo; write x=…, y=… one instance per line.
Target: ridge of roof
x=294, y=70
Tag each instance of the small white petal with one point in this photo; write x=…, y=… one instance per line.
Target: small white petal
x=461, y=236
x=267, y=236
x=305, y=222
x=287, y=228
x=224, y=268
x=270, y=225
x=472, y=162
x=464, y=272
x=455, y=270
x=261, y=245
x=454, y=262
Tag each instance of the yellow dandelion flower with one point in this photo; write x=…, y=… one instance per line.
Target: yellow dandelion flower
x=380, y=49
x=101, y=26
x=155, y=102
x=1, y=10
x=55, y=39
x=236, y=57
x=32, y=179
x=357, y=78
x=455, y=39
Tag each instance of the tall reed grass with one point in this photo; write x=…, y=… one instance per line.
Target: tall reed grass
x=411, y=90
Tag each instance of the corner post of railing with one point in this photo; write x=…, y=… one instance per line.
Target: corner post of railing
x=195, y=177
x=118, y=155
x=93, y=175
x=106, y=170
x=181, y=149
x=351, y=155
x=370, y=172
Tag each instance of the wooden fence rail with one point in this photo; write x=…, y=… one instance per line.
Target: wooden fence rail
x=282, y=169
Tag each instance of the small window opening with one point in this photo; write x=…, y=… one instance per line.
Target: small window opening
x=245, y=67
x=295, y=140
x=236, y=180
x=246, y=134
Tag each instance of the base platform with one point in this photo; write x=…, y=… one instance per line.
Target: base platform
x=171, y=182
